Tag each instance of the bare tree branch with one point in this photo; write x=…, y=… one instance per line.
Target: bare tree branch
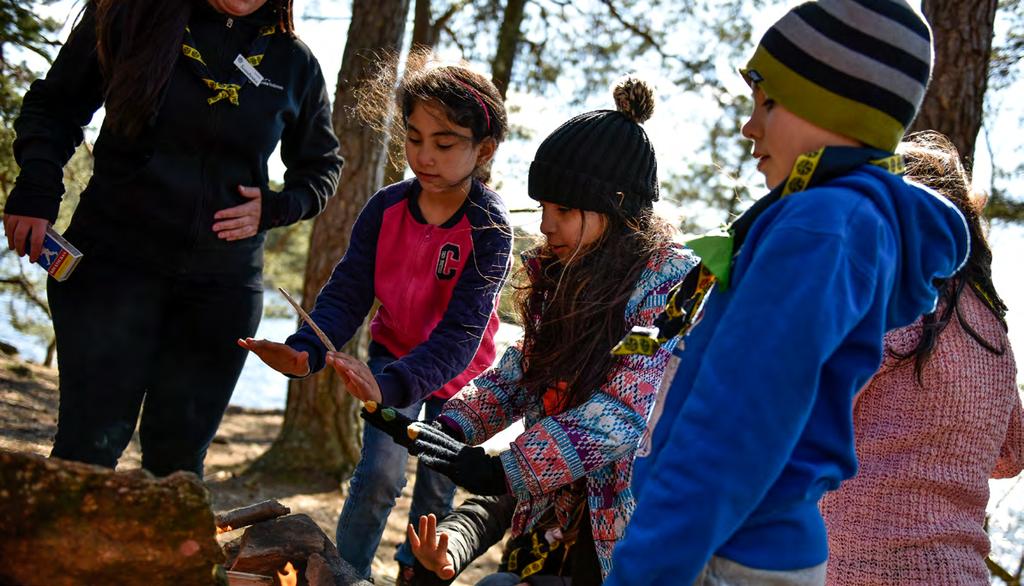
x=635, y=29
x=1001, y=573
x=26, y=287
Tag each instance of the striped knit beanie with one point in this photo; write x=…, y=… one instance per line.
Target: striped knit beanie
x=601, y=161
x=856, y=67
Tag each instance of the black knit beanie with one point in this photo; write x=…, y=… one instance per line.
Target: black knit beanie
x=601, y=161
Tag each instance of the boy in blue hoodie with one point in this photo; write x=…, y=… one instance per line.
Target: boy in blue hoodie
x=756, y=423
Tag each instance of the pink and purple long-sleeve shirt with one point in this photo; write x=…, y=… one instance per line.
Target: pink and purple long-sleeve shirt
x=437, y=285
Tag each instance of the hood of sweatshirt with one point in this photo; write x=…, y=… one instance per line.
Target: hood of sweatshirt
x=930, y=232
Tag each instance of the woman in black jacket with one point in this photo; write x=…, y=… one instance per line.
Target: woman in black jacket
x=198, y=93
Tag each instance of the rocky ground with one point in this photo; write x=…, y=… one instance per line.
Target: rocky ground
x=28, y=419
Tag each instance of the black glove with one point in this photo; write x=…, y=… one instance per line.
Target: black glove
x=390, y=421
x=469, y=467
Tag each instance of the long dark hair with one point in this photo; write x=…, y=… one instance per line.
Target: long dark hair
x=574, y=313
x=467, y=98
x=932, y=160
x=138, y=43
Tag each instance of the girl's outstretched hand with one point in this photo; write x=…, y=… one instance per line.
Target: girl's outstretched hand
x=358, y=379
x=280, y=357
x=431, y=550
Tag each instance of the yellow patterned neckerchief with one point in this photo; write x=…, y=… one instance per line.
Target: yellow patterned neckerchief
x=226, y=90
x=718, y=249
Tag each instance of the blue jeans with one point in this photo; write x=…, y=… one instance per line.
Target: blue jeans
x=377, y=483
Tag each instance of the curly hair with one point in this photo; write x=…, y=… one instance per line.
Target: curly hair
x=467, y=98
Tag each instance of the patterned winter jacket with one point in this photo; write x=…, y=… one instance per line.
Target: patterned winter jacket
x=595, y=440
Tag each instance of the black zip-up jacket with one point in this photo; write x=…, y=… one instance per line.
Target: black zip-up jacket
x=472, y=528
x=152, y=199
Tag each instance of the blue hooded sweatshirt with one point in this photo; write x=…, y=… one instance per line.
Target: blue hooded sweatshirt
x=758, y=421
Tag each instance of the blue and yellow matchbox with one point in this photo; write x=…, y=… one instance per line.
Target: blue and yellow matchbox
x=59, y=257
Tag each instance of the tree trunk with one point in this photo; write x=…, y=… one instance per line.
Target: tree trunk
x=508, y=45
x=320, y=432
x=425, y=32
x=51, y=352
x=954, y=104
x=424, y=35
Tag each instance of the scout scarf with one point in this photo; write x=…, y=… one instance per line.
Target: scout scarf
x=718, y=249
x=245, y=66
x=545, y=549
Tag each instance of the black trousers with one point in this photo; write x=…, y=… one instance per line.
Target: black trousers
x=131, y=340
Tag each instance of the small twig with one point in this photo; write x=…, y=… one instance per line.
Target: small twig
x=309, y=321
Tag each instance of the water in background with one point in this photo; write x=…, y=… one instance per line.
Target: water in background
x=259, y=386
x=262, y=387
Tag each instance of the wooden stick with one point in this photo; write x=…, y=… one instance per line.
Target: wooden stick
x=245, y=516
x=246, y=579
x=309, y=321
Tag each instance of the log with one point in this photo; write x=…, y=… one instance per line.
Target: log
x=250, y=515
x=266, y=547
x=71, y=523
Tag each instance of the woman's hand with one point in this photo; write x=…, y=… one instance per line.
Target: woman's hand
x=241, y=221
x=357, y=377
x=280, y=357
x=22, y=230
x=430, y=550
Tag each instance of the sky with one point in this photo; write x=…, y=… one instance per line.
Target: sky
x=673, y=129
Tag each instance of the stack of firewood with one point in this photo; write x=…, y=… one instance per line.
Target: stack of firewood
x=275, y=539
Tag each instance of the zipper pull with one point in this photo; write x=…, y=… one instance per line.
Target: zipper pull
x=230, y=22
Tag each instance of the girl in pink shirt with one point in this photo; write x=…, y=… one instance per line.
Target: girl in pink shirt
x=433, y=252
x=941, y=416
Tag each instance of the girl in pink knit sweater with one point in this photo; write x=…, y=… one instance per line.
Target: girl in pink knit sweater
x=940, y=417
